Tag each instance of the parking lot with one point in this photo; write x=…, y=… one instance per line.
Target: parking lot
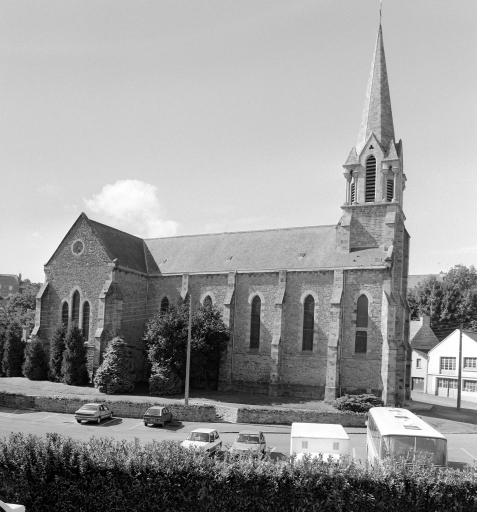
x=461, y=447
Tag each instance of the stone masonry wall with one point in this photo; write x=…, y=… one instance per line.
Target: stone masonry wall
x=362, y=372
x=367, y=226
x=251, y=367
x=135, y=312
x=86, y=272
x=303, y=373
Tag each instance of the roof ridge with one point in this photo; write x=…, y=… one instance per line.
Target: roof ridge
x=237, y=232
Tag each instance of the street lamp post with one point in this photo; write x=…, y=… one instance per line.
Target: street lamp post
x=189, y=336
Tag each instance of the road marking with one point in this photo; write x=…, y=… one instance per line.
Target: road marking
x=273, y=449
x=475, y=458
x=11, y=414
x=44, y=418
x=130, y=428
x=109, y=421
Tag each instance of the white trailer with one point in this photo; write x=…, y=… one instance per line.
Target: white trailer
x=316, y=438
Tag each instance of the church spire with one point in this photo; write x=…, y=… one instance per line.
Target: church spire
x=377, y=113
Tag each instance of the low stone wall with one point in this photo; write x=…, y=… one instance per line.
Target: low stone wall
x=227, y=413
x=271, y=416
x=199, y=413
x=17, y=401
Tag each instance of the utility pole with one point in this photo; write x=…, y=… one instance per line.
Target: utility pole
x=459, y=368
x=189, y=336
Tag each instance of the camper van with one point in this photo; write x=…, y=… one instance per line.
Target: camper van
x=315, y=438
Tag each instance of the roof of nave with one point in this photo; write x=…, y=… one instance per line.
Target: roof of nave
x=299, y=248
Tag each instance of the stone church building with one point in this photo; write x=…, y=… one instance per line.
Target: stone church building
x=314, y=311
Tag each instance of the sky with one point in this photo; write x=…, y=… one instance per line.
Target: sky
x=176, y=117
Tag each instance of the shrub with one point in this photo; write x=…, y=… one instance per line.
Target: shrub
x=13, y=351
x=57, y=348
x=73, y=366
x=357, y=403
x=115, y=375
x=164, y=381
x=59, y=473
x=2, y=343
x=35, y=366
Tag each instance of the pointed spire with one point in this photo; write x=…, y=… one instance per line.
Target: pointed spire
x=377, y=114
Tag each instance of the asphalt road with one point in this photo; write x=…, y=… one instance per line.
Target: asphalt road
x=462, y=448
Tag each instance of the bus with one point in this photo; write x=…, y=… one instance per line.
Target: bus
x=400, y=434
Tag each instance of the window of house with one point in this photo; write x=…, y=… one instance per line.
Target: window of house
x=448, y=363
x=470, y=386
x=470, y=362
x=64, y=314
x=418, y=363
x=164, y=305
x=86, y=316
x=361, y=343
x=370, y=179
x=75, y=308
x=207, y=301
x=255, y=322
x=308, y=323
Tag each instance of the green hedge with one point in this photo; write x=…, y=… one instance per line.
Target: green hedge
x=59, y=473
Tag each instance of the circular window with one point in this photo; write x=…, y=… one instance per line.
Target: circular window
x=77, y=247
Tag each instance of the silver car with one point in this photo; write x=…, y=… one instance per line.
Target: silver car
x=93, y=412
x=250, y=442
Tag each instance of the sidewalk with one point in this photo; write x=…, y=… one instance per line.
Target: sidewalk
x=441, y=400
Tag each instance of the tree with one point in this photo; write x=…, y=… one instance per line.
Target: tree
x=73, y=368
x=166, y=341
x=35, y=366
x=449, y=302
x=20, y=308
x=115, y=375
x=2, y=343
x=164, y=381
x=13, y=351
x=57, y=348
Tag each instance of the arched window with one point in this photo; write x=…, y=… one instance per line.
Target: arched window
x=64, y=314
x=308, y=323
x=361, y=343
x=164, y=305
x=390, y=190
x=86, y=315
x=207, y=302
x=362, y=312
x=75, y=308
x=255, y=322
x=370, y=179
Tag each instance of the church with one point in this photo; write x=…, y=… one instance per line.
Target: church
x=314, y=312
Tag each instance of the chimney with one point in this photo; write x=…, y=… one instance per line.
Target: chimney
x=425, y=320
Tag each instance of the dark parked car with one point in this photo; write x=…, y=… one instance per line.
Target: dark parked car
x=157, y=416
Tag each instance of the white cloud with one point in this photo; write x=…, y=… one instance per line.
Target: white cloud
x=134, y=207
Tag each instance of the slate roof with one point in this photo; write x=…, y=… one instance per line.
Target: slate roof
x=274, y=249
x=127, y=249
x=422, y=336
x=377, y=114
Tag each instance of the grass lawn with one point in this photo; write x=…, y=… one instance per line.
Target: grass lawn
x=141, y=394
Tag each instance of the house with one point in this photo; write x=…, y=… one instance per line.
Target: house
x=442, y=369
x=314, y=311
x=9, y=285
x=423, y=340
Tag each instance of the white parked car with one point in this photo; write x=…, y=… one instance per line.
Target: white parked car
x=93, y=412
x=8, y=507
x=206, y=439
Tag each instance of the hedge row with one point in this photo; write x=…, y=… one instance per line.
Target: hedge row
x=59, y=473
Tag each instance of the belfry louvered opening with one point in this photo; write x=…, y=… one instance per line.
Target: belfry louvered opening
x=390, y=189
x=353, y=193
x=370, y=179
